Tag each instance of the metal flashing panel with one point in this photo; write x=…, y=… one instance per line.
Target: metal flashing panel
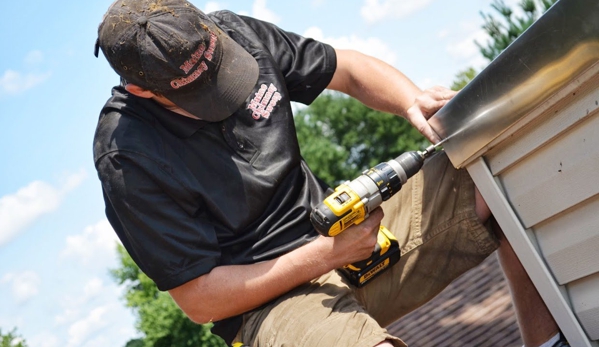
x=561, y=45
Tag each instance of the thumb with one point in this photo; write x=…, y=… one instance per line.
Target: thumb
x=425, y=129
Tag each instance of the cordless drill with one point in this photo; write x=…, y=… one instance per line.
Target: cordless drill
x=352, y=202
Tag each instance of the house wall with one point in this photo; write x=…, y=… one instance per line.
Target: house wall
x=548, y=171
x=527, y=130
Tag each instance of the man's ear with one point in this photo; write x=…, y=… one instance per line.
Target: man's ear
x=139, y=91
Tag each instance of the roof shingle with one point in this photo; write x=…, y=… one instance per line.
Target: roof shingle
x=474, y=311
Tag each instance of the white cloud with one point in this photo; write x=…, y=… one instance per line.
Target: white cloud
x=75, y=305
x=377, y=10
x=69, y=315
x=93, y=287
x=91, y=309
x=34, y=58
x=260, y=11
x=212, y=6
x=24, y=286
x=72, y=181
x=13, y=82
x=100, y=341
x=11, y=320
x=428, y=82
x=97, y=243
x=44, y=339
x=443, y=34
x=462, y=47
x=103, y=322
x=19, y=210
x=371, y=46
x=83, y=330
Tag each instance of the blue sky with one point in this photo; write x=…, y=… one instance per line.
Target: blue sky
x=55, y=244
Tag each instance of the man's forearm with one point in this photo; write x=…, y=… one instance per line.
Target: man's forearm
x=375, y=83
x=232, y=290
x=382, y=87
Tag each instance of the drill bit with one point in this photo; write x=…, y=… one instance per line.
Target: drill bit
x=428, y=151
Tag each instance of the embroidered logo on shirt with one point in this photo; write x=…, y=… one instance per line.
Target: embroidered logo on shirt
x=264, y=101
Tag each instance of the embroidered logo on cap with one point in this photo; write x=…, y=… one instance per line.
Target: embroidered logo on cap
x=264, y=101
x=193, y=60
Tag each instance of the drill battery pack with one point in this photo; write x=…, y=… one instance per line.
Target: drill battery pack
x=385, y=255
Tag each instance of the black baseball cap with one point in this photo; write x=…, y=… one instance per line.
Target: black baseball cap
x=172, y=48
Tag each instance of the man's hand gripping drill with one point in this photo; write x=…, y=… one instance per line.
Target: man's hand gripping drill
x=353, y=201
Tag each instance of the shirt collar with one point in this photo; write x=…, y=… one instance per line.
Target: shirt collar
x=178, y=124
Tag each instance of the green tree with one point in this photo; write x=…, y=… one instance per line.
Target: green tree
x=135, y=343
x=159, y=318
x=503, y=31
x=11, y=339
x=463, y=78
x=340, y=137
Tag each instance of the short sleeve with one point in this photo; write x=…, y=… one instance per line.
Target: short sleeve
x=307, y=65
x=169, y=245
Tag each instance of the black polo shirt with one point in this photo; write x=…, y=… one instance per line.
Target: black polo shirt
x=185, y=196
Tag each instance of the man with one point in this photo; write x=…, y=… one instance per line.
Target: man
x=205, y=186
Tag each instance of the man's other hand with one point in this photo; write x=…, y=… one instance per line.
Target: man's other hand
x=425, y=106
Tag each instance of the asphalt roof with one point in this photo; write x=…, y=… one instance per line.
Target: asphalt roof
x=474, y=311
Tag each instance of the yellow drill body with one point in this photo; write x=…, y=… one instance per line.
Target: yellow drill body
x=352, y=202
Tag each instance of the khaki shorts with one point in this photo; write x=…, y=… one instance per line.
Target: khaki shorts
x=434, y=221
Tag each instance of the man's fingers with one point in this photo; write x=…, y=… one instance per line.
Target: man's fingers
x=432, y=100
x=418, y=118
x=375, y=216
x=425, y=129
x=431, y=107
x=425, y=106
x=443, y=93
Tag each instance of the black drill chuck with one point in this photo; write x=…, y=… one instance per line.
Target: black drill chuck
x=411, y=163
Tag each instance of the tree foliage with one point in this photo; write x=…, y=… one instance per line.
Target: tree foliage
x=504, y=30
x=340, y=137
x=463, y=78
x=159, y=318
x=11, y=339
